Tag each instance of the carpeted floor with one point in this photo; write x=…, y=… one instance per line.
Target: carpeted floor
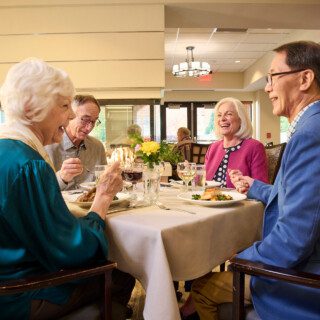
x=138, y=298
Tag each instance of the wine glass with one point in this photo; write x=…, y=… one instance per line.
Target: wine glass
x=132, y=172
x=186, y=172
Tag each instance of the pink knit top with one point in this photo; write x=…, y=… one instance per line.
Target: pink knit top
x=250, y=159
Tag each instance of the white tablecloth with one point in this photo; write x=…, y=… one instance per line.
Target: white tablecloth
x=158, y=246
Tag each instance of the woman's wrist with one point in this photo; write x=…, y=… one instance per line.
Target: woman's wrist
x=101, y=205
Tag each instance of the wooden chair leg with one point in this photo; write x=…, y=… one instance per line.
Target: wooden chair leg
x=107, y=305
x=238, y=296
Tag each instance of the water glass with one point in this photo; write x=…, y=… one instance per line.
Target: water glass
x=99, y=170
x=200, y=177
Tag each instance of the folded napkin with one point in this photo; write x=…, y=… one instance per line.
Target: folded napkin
x=81, y=212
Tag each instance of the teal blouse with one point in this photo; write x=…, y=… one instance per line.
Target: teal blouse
x=37, y=232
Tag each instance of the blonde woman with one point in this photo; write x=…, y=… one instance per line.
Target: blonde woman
x=235, y=149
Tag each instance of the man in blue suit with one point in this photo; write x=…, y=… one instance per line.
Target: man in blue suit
x=291, y=229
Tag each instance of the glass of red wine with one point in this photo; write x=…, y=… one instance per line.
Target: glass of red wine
x=132, y=172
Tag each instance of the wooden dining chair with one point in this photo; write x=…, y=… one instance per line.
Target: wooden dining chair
x=274, y=155
x=198, y=152
x=240, y=267
x=56, y=278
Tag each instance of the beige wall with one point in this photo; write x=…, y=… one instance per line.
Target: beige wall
x=108, y=50
x=115, y=48
x=267, y=121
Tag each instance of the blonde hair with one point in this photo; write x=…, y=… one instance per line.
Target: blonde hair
x=31, y=89
x=245, y=130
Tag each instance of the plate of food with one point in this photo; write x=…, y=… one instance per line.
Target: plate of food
x=212, y=197
x=86, y=199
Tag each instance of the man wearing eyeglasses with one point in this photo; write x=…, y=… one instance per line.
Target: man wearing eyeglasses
x=291, y=237
x=78, y=153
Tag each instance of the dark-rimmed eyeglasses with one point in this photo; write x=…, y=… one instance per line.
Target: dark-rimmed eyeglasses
x=86, y=121
x=270, y=75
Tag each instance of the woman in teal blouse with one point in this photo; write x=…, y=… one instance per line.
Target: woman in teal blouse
x=37, y=231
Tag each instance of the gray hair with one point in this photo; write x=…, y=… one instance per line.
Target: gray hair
x=33, y=85
x=245, y=130
x=80, y=99
x=134, y=129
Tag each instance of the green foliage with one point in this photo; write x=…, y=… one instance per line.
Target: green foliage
x=210, y=127
x=135, y=139
x=284, y=124
x=169, y=153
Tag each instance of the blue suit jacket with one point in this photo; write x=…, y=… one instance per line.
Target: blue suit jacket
x=291, y=226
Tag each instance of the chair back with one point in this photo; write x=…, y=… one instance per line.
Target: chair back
x=274, y=156
x=57, y=278
x=198, y=152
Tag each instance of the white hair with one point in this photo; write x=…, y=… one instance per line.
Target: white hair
x=245, y=130
x=31, y=88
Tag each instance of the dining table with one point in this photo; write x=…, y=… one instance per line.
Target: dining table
x=159, y=246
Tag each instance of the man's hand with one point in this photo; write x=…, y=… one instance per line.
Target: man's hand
x=70, y=168
x=242, y=183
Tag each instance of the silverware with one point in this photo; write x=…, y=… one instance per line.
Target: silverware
x=75, y=192
x=162, y=206
x=88, y=170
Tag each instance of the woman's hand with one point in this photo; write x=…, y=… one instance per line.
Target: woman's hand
x=242, y=183
x=110, y=183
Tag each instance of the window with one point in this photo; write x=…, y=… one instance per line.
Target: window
x=116, y=117
x=1, y=116
x=284, y=125
x=176, y=118
x=197, y=116
x=205, y=123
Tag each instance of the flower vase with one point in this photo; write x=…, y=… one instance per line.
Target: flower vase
x=151, y=177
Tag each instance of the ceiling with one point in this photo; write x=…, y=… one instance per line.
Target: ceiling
x=265, y=24
x=226, y=50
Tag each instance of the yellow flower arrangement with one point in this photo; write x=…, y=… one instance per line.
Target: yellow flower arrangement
x=150, y=147
x=149, y=152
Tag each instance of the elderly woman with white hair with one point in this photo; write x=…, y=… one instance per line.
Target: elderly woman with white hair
x=236, y=149
x=37, y=232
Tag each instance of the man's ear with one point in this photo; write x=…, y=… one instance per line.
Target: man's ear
x=307, y=78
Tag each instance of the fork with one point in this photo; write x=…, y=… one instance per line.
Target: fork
x=77, y=155
x=162, y=206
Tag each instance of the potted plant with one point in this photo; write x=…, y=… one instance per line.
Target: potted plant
x=173, y=155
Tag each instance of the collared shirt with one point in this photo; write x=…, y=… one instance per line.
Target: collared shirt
x=293, y=124
x=91, y=153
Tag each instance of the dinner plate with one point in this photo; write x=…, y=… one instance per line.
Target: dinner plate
x=176, y=183
x=87, y=185
x=121, y=197
x=187, y=196
x=90, y=185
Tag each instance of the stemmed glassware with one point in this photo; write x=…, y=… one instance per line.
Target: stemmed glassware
x=132, y=172
x=186, y=172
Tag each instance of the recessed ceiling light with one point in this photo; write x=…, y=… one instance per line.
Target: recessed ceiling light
x=237, y=61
